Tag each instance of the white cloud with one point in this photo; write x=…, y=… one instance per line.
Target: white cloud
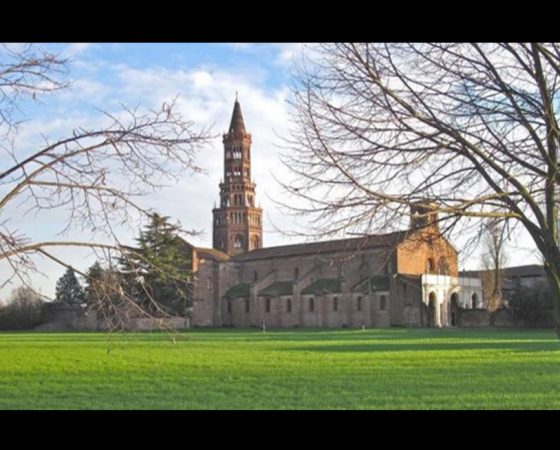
x=287, y=53
x=206, y=97
x=75, y=49
x=243, y=46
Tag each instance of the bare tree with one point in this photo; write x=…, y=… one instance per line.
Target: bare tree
x=469, y=129
x=494, y=259
x=92, y=177
x=22, y=311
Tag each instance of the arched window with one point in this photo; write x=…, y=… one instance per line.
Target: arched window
x=255, y=241
x=474, y=300
x=382, y=303
x=311, y=304
x=359, y=304
x=229, y=306
x=443, y=266
x=267, y=305
x=296, y=273
x=335, y=304
x=238, y=241
x=289, y=305
x=431, y=265
x=247, y=305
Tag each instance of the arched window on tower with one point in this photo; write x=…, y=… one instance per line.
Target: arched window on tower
x=255, y=242
x=238, y=241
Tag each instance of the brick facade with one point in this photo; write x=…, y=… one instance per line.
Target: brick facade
x=373, y=281
x=363, y=285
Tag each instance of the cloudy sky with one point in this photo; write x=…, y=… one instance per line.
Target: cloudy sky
x=206, y=78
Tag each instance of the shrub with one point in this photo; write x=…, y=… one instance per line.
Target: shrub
x=532, y=304
x=24, y=310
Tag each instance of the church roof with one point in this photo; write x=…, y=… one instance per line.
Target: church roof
x=278, y=288
x=237, y=126
x=238, y=290
x=316, y=248
x=379, y=282
x=211, y=253
x=323, y=286
x=530, y=271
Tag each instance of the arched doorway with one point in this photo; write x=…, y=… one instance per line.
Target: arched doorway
x=454, y=309
x=432, y=309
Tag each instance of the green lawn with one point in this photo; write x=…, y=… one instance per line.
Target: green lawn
x=303, y=369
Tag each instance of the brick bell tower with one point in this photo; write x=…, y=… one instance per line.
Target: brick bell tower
x=237, y=222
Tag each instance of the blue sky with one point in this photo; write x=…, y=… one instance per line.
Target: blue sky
x=206, y=78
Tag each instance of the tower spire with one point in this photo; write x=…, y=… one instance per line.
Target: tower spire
x=237, y=125
x=237, y=220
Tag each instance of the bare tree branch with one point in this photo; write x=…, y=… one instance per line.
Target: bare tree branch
x=473, y=127
x=92, y=178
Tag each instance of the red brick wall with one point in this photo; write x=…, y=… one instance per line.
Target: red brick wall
x=413, y=254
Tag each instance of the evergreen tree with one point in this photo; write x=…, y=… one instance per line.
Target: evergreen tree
x=157, y=272
x=94, y=284
x=68, y=289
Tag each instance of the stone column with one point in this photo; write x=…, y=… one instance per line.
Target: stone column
x=438, y=314
x=444, y=314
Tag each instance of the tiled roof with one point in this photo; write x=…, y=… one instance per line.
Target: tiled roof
x=278, y=288
x=323, y=286
x=238, y=290
x=530, y=270
x=317, y=248
x=211, y=253
x=378, y=282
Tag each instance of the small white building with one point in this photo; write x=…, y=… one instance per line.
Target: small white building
x=444, y=294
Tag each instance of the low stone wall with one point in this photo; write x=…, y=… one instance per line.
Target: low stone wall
x=474, y=318
x=73, y=318
x=147, y=324
x=70, y=323
x=502, y=318
x=505, y=318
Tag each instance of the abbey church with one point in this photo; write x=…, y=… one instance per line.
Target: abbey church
x=403, y=278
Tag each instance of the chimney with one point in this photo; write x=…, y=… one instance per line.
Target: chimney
x=423, y=214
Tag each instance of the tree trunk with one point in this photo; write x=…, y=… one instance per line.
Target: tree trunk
x=553, y=275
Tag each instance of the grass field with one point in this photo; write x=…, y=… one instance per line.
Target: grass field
x=304, y=369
